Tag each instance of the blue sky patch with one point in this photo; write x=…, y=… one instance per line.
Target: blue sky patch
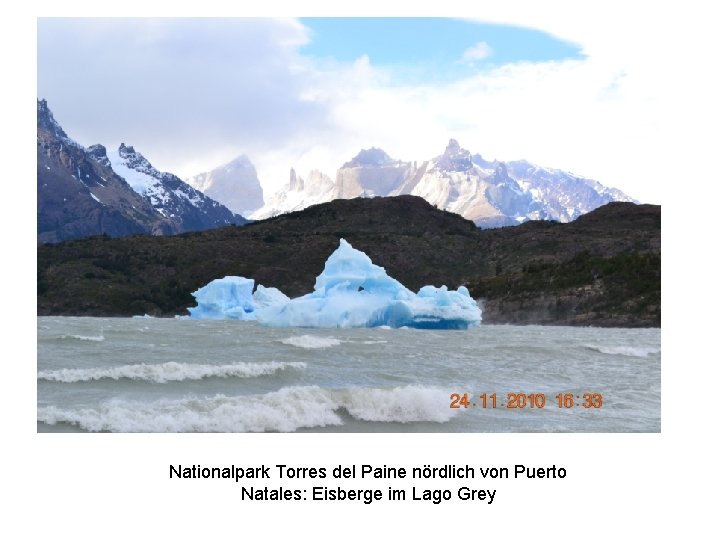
x=447, y=47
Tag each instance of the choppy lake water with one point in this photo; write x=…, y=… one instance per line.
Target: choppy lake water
x=170, y=375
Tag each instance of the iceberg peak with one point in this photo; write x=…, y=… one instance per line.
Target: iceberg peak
x=352, y=269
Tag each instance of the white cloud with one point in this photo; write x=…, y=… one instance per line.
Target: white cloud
x=191, y=95
x=479, y=51
x=177, y=89
x=586, y=116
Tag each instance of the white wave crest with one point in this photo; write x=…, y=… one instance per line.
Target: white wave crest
x=169, y=371
x=311, y=342
x=625, y=350
x=286, y=410
x=83, y=338
x=402, y=404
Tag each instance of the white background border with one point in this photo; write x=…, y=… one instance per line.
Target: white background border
x=117, y=486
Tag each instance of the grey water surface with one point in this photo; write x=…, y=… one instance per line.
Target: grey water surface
x=174, y=375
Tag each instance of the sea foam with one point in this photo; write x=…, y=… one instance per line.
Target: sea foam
x=285, y=410
x=625, y=350
x=101, y=337
x=311, y=342
x=168, y=371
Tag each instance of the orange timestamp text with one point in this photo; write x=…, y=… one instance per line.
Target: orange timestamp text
x=522, y=400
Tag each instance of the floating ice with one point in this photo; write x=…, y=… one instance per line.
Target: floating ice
x=265, y=296
x=226, y=298
x=350, y=292
x=232, y=298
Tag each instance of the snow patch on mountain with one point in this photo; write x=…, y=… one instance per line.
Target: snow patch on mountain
x=297, y=194
x=169, y=196
x=490, y=193
x=133, y=171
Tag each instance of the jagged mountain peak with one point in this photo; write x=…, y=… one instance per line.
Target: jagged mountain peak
x=455, y=158
x=296, y=183
x=376, y=157
x=490, y=193
x=99, y=153
x=453, y=147
x=44, y=116
x=45, y=120
x=42, y=107
x=135, y=160
x=126, y=149
x=240, y=164
x=299, y=192
x=241, y=161
x=501, y=172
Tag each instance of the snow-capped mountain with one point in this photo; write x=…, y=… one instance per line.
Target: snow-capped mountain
x=491, y=194
x=562, y=195
x=170, y=196
x=483, y=193
x=297, y=194
x=234, y=184
x=81, y=194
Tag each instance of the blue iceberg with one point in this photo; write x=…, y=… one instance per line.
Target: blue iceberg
x=350, y=292
x=232, y=298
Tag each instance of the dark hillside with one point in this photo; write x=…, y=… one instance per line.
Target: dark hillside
x=600, y=269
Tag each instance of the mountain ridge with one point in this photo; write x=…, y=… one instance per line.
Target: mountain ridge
x=491, y=194
x=81, y=194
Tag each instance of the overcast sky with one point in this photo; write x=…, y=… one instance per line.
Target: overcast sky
x=578, y=92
